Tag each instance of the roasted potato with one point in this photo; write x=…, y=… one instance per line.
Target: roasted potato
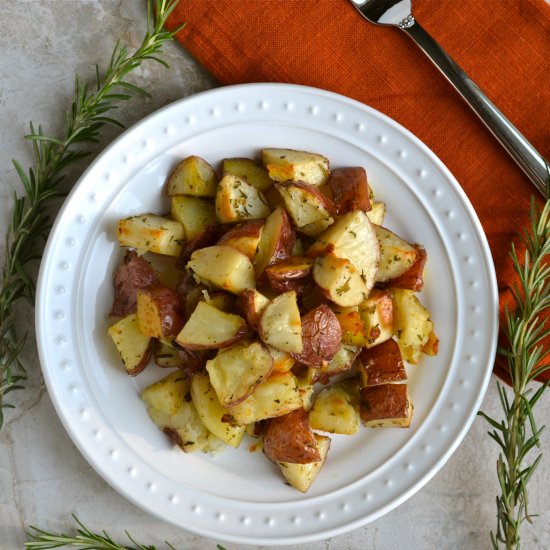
x=289, y=438
x=194, y=213
x=412, y=323
x=413, y=278
x=382, y=364
x=290, y=165
x=353, y=331
x=167, y=394
x=276, y=242
x=341, y=362
x=280, y=325
x=321, y=337
x=277, y=395
x=339, y=280
x=210, y=328
x=249, y=170
x=353, y=238
x=133, y=274
x=208, y=237
x=377, y=213
x=211, y=412
x=350, y=189
x=235, y=372
x=334, y=411
x=291, y=274
x=192, y=176
x=237, y=201
x=310, y=210
x=396, y=255
x=282, y=360
x=301, y=476
x=245, y=238
x=151, y=233
x=224, y=267
x=387, y=405
x=377, y=315
x=252, y=304
x=158, y=312
x=134, y=347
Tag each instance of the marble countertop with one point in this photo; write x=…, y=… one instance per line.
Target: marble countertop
x=43, y=477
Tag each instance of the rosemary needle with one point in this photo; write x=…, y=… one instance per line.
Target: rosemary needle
x=30, y=221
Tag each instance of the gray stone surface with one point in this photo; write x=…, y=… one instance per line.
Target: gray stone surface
x=43, y=477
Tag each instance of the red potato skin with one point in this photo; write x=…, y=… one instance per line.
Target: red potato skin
x=191, y=361
x=243, y=237
x=383, y=363
x=291, y=274
x=413, y=278
x=289, y=438
x=350, y=189
x=321, y=336
x=207, y=238
x=132, y=275
x=384, y=401
x=168, y=306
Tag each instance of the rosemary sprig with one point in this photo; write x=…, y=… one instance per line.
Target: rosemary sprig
x=30, y=222
x=84, y=539
x=517, y=433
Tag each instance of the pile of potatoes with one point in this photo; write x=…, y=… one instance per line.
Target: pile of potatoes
x=282, y=305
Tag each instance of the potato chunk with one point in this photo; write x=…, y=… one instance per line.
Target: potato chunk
x=382, y=364
x=291, y=274
x=167, y=394
x=333, y=411
x=276, y=242
x=249, y=170
x=235, y=372
x=339, y=280
x=253, y=304
x=291, y=165
x=224, y=267
x=378, y=318
x=151, y=233
x=386, y=406
x=134, y=347
x=245, y=238
x=278, y=395
x=194, y=213
x=307, y=206
x=353, y=331
x=350, y=189
x=289, y=438
x=302, y=476
x=280, y=325
x=237, y=201
x=210, y=328
x=413, y=278
x=321, y=337
x=211, y=412
x=353, y=238
x=396, y=255
x=377, y=213
x=341, y=362
x=192, y=176
x=158, y=312
x=412, y=323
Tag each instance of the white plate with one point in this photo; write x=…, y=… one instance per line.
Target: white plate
x=238, y=496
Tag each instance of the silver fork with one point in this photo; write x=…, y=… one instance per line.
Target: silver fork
x=398, y=13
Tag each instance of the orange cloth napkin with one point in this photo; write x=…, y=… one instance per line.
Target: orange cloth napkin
x=503, y=45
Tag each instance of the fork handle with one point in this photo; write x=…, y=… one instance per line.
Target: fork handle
x=527, y=157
